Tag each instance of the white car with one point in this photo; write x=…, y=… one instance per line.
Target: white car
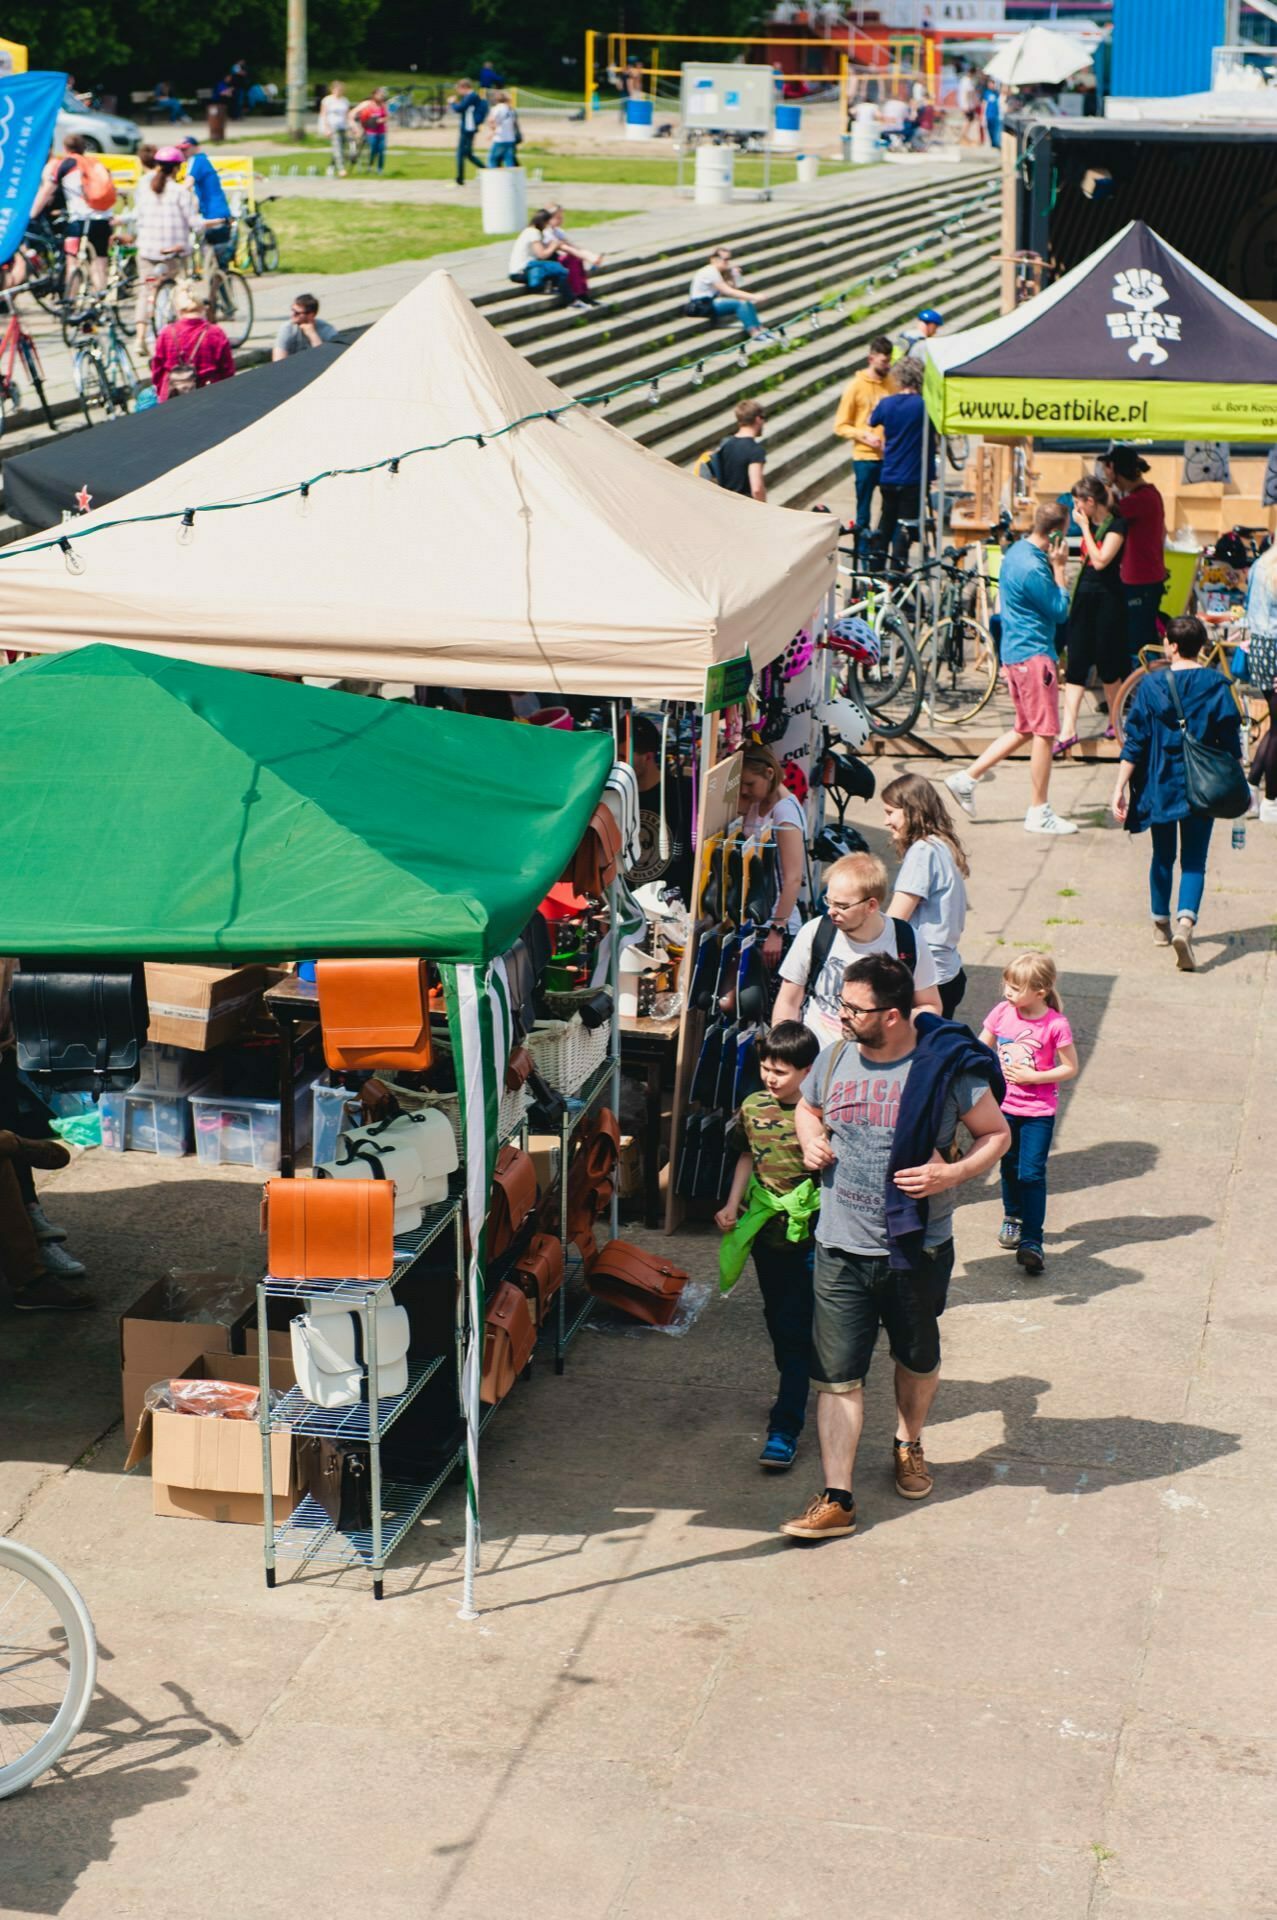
x=102, y=132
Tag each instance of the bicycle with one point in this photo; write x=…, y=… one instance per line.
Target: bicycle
x=48, y=1665
x=965, y=671
x=256, y=247
x=890, y=686
x=101, y=364
x=17, y=344
x=229, y=299
x=1218, y=654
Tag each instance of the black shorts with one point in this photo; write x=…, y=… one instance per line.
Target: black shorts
x=1097, y=637
x=855, y=1294
x=99, y=232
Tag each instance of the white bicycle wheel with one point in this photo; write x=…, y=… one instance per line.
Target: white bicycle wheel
x=48, y=1665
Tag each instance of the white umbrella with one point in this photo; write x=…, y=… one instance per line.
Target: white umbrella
x=1039, y=58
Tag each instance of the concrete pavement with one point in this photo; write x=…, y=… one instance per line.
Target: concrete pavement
x=1047, y=1691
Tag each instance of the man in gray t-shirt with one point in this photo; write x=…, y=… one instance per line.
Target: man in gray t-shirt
x=846, y=1123
x=302, y=329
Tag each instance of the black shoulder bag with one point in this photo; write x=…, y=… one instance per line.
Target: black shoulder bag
x=1214, y=781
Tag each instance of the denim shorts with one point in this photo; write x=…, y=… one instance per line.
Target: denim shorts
x=857, y=1293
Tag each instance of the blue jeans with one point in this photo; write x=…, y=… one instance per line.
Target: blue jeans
x=867, y=473
x=1193, y=836
x=1141, y=616
x=376, y=145
x=743, y=310
x=538, y=272
x=502, y=154
x=784, y=1280
x=1024, y=1173
x=465, y=151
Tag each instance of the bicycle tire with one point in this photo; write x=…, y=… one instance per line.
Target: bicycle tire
x=898, y=713
x=21, y=1567
x=232, y=301
x=1126, y=693
x=92, y=385
x=163, y=308
x=77, y=290
x=267, y=247
x=44, y=273
x=877, y=685
x=35, y=373
x=965, y=674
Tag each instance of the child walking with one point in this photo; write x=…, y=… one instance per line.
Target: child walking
x=771, y=1207
x=1035, y=1049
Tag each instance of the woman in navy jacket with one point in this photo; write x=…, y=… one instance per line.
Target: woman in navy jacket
x=1150, y=789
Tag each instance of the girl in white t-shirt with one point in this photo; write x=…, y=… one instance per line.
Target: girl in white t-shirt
x=930, y=886
x=769, y=806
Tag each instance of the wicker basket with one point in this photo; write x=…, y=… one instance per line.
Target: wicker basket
x=567, y=1052
x=417, y=1100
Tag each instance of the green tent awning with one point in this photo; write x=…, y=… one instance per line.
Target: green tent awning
x=152, y=807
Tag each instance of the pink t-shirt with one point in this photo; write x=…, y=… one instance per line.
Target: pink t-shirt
x=1029, y=1043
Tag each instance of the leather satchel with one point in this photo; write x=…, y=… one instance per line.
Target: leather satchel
x=514, y=1194
x=641, y=1284
x=431, y=1140
x=539, y=1272
x=330, y=1353
x=594, y=864
x=509, y=1335
x=329, y=1229
x=80, y=1032
x=383, y=1160
x=375, y=1013
x=336, y=1476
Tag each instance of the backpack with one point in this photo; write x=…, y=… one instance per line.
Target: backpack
x=709, y=467
x=182, y=376
x=96, y=183
x=821, y=946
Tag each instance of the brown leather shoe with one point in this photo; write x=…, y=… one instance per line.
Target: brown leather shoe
x=33, y=1153
x=913, y=1482
x=821, y=1519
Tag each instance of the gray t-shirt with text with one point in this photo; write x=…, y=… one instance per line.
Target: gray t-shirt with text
x=860, y=1099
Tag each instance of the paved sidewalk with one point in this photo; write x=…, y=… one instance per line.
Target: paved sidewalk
x=1048, y=1691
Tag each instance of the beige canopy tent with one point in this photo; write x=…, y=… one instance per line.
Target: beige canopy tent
x=560, y=555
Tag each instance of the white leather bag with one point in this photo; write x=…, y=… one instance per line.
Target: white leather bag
x=329, y=1346
x=383, y=1160
x=430, y=1136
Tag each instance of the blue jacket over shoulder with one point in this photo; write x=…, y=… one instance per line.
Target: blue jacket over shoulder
x=945, y=1049
x=1152, y=744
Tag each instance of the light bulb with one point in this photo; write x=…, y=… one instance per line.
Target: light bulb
x=186, y=531
x=698, y=376
x=654, y=394
x=742, y=358
x=303, y=499
x=74, y=562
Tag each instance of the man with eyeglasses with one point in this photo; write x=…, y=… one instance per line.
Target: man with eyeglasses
x=852, y=927
x=302, y=329
x=889, y=1091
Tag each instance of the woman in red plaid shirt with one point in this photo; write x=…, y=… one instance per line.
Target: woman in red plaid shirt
x=191, y=350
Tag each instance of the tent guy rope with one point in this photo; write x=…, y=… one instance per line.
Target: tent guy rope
x=835, y=304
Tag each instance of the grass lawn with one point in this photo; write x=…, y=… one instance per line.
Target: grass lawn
x=560, y=167
x=342, y=236
x=360, y=82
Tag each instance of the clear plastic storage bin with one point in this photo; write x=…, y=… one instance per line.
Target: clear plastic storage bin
x=232, y=1132
x=147, y=1120
x=331, y=1107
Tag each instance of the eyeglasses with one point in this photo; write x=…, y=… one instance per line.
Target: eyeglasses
x=845, y=906
x=849, y=1013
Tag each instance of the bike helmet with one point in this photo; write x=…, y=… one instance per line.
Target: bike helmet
x=796, y=780
x=859, y=639
x=931, y=317
x=797, y=655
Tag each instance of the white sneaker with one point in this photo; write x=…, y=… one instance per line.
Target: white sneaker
x=1268, y=813
x=42, y=1225
x=1044, y=819
x=962, y=787
x=764, y=338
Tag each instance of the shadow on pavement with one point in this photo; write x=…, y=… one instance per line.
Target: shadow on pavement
x=1075, y=1269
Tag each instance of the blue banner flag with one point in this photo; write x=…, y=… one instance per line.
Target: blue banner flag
x=29, y=107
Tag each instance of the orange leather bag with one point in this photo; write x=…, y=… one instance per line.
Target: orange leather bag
x=514, y=1194
x=539, y=1272
x=509, y=1335
x=592, y=1175
x=638, y=1283
x=329, y=1229
x=594, y=864
x=374, y=1013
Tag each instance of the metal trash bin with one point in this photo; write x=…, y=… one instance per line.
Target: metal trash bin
x=216, y=120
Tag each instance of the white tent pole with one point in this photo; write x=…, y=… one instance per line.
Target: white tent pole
x=477, y=1087
x=922, y=541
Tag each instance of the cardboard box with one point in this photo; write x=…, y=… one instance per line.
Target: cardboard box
x=211, y=1469
x=200, y=1007
x=174, y=1322
x=545, y=1149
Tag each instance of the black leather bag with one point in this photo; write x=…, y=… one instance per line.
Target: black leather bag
x=1214, y=781
x=337, y=1476
x=80, y=1032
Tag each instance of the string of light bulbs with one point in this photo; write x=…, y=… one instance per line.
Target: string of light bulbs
x=835, y=306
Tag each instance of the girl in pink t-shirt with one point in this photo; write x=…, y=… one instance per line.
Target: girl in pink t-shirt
x=1034, y=1044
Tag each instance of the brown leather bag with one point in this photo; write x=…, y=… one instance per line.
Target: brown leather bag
x=539, y=1272
x=594, y=864
x=601, y=1145
x=509, y=1335
x=517, y=1068
x=375, y=1013
x=638, y=1283
x=329, y=1229
x=514, y=1194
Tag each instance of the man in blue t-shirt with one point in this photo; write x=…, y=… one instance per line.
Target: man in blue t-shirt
x=898, y=420
x=1033, y=601
x=210, y=197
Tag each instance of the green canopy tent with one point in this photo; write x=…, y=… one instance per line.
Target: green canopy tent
x=156, y=808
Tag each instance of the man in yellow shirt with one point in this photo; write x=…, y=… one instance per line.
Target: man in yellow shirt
x=859, y=398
